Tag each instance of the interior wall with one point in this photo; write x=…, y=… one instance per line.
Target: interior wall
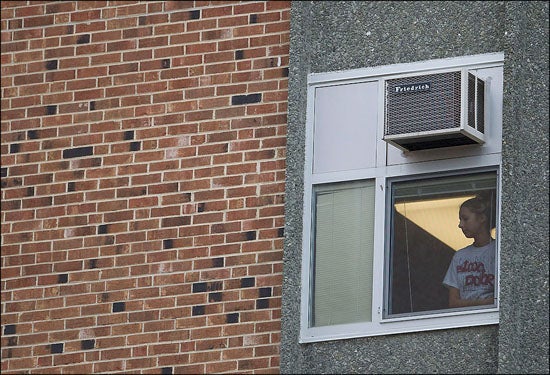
x=424, y=264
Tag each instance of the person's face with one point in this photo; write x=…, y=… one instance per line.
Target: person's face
x=471, y=223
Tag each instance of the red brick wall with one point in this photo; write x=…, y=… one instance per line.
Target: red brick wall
x=143, y=157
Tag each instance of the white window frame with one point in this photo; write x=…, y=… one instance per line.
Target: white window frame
x=415, y=164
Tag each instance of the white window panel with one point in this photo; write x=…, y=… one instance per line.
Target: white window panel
x=345, y=127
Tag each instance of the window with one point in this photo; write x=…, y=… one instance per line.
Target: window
x=381, y=225
x=424, y=234
x=344, y=233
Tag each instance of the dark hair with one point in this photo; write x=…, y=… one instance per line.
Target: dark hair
x=481, y=206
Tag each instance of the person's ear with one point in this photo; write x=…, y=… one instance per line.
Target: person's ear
x=484, y=218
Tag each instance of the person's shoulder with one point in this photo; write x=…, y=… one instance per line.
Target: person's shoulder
x=465, y=249
x=465, y=252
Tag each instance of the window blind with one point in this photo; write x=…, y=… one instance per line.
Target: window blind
x=343, y=254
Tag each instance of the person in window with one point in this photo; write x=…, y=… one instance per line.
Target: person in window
x=470, y=277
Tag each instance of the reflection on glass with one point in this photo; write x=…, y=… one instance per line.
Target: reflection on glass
x=425, y=236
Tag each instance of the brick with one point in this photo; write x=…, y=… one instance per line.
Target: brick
x=247, y=282
x=78, y=152
x=169, y=121
x=56, y=348
x=38, y=21
x=118, y=306
x=123, y=68
x=176, y=221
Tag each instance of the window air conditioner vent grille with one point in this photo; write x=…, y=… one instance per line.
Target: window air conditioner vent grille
x=434, y=110
x=430, y=109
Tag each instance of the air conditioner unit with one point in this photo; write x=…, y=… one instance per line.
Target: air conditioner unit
x=435, y=110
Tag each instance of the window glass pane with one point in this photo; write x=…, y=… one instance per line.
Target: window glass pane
x=343, y=250
x=437, y=246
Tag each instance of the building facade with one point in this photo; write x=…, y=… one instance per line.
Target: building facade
x=329, y=38
x=154, y=159
x=143, y=163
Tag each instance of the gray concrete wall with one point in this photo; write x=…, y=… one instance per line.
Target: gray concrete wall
x=523, y=331
x=330, y=36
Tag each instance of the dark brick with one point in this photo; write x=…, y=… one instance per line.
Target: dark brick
x=232, y=318
x=30, y=191
x=15, y=24
x=108, y=240
x=262, y=303
x=253, y=18
x=167, y=244
x=218, y=262
x=246, y=99
x=285, y=72
x=281, y=232
x=14, y=148
x=247, y=282
x=215, y=285
x=83, y=39
x=200, y=207
x=135, y=146
x=87, y=344
x=119, y=306
x=4, y=172
x=194, y=14
x=142, y=20
x=128, y=135
x=51, y=65
x=239, y=54
x=11, y=205
x=51, y=109
x=102, y=229
x=250, y=235
x=131, y=192
x=71, y=186
x=57, y=8
x=91, y=106
x=214, y=297
x=265, y=292
x=198, y=310
x=56, y=348
x=32, y=134
x=14, y=181
x=165, y=63
x=63, y=278
x=176, y=221
x=167, y=370
x=199, y=287
x=78, y=152
x=10, y=329
x=92, y=264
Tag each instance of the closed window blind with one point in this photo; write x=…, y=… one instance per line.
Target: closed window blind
x=343, y=253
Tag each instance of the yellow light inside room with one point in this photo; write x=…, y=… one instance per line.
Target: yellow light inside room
x=439, y=217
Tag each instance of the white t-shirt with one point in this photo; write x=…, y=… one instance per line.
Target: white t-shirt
x=472, y=272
